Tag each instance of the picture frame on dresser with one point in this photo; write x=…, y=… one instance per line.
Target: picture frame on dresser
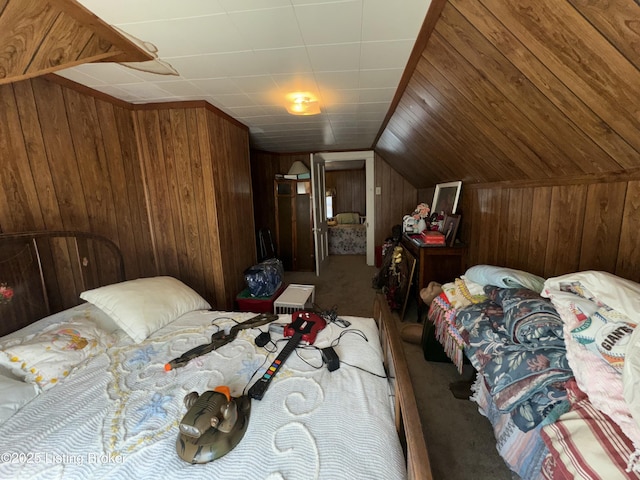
x=450, y=229
x=445, y=197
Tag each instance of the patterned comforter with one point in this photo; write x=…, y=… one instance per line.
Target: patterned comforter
x=348, y=239
x=515, y=340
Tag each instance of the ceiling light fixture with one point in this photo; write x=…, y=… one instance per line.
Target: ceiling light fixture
x=302, y=104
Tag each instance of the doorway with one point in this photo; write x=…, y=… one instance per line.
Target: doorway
x=344, y=159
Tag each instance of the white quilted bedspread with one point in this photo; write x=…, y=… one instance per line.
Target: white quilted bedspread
x=117, y=415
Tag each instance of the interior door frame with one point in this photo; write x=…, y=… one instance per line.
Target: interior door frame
x=369, y=157
x=319, y=207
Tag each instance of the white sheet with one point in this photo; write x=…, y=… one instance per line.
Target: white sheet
x=117, y=416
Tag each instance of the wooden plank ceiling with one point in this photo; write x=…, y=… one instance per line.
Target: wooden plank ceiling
x=39, y=36
x=520, y=90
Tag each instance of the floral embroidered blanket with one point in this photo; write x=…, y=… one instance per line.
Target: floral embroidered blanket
x=116, y=416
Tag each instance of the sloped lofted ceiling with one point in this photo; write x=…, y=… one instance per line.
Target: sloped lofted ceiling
x=495, y=90
x=40, y=36
x=520, y=90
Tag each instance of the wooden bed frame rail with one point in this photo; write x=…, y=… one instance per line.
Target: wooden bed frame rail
x=407, y=418
x=47, y=271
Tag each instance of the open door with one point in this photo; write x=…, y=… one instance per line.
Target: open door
x=320, y=229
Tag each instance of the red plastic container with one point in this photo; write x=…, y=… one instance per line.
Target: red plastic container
x=247, y=303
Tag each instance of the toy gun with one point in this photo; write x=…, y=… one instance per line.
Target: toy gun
x=219, y=339
x=213, y=425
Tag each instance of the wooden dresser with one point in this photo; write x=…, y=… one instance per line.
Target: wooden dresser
x=434, y=264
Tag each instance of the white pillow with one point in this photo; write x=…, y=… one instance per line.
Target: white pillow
x=49, y=356
x=14, y=394
x=142, y=306
x=504, y=277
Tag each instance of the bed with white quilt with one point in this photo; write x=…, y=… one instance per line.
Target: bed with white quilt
x=348, y=235
x=558, y=367
x=86, y=392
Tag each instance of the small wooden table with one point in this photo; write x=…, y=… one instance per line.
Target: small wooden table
x=434, y=264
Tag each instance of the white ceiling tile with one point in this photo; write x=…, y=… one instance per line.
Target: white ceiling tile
x=331, y=58
x=190, y=36
x=373, y=107
x=77, y=76
x=383, y=55
x=128, y=11
x=243, y=56
x=233, y=100
x=284, y=60
x=145, y=91
x=247, y=113
x=308, y=2
x=109, y=73
x=342, y=108
x=337, y=97
x=368, y=95
x=255, y=83
x=330, y=23
x=273, y=28
x=180, y=88
x=244, y=5
x=383, y=20
x=219, y=65
x=337, y=80
x=372, y=119
x=218, y=85
x=115, y=92
x=388, y=78
x=269, y=98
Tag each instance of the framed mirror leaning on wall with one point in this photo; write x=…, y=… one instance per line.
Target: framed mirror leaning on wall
x=445, y=198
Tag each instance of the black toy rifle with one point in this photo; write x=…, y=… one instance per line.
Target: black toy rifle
x=219, y=339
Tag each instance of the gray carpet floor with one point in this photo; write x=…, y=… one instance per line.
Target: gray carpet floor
x=459, y=439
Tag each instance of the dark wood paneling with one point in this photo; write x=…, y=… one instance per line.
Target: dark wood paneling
x=519, y=90
x=196, y=166
x=397, y=198
x=229, y=147
x=553, y=230
x=602, y=226
x=70, y=162
x=264, y=167
x=351, y=190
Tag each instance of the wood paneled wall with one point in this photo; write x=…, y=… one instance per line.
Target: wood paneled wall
x=351, y=190
x=553, y=229
x=69, y=162
x=171, y=185
x=397, y=198
x=511, y=90
x=230, y=161
x=196, y=168
x=264, y=167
